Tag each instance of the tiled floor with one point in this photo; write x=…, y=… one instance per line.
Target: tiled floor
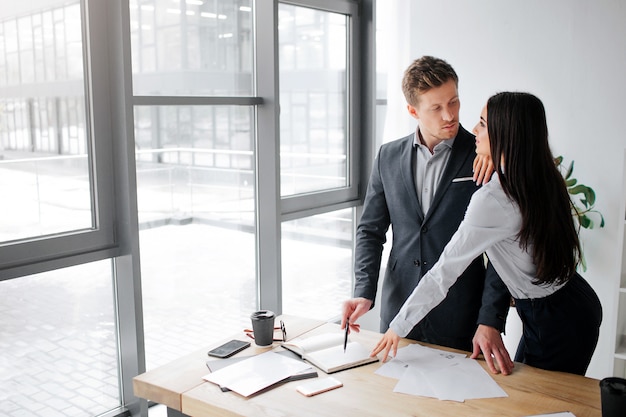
x=59, y=352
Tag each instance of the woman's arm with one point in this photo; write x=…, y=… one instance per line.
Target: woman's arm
x=485, y=223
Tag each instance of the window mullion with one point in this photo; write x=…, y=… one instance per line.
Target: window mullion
x=267, y=158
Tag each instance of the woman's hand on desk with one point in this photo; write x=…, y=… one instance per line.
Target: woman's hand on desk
x=388, y=343
x=488, y=340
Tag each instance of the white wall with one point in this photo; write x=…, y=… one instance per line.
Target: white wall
x=572, y=55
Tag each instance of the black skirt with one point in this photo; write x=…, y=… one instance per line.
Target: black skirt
x=560, y=331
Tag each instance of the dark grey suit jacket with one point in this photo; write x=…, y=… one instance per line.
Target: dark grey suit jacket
x=478, y=297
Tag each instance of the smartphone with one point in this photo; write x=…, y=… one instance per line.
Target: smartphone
x=318, y=386
x=229, y=348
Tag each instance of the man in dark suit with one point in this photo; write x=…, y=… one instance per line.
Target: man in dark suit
x=420, y=185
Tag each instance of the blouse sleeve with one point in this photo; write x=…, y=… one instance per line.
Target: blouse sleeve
x=487, y=221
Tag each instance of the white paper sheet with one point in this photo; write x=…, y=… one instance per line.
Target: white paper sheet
x=465, y=380
x=393, y=368
x=439, y=374
x=418, y=356
x=413, y=382
x=420, y=362
x=428, y=358
x=564, y=414
x=256, y=373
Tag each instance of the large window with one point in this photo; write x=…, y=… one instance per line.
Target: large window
x=167, y=168
x=202, y=161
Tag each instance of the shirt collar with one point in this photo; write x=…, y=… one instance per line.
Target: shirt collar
x=417, y=142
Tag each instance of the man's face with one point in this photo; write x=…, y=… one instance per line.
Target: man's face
x=438, y=113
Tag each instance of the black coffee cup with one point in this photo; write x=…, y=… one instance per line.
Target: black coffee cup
x=263, y=327
x=613, y=397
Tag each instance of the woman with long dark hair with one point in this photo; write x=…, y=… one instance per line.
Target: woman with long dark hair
x=523, y=220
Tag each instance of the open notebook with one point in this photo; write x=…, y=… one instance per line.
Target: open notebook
x=325, y=351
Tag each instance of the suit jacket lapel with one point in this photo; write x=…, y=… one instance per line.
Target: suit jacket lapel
x=461, y=150
x=408, y=174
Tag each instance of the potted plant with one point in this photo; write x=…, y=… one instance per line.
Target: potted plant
x=583, y=201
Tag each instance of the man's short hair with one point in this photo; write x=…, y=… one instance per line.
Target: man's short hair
x=423, y=74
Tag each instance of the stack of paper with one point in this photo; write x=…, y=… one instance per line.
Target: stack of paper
x=256, y=373
x=563, y=414
x=439, y=374
x=217, y=364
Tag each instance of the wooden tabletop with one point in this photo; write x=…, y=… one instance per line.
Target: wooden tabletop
x=531, y=391
x=166, y=384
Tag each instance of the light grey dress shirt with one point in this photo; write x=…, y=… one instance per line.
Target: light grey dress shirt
x=429, y=168
x=491, y=225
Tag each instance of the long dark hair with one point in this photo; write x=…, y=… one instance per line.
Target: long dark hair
x=518, y=134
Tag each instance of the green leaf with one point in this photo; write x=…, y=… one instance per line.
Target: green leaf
x=589, y=194
x=570, y=182
x=585, y=221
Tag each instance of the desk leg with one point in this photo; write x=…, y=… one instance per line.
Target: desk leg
x=175, y=413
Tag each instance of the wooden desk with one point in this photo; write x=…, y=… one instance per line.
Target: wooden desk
x=179, y=385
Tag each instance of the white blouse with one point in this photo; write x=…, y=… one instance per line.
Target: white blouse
x=491, y=224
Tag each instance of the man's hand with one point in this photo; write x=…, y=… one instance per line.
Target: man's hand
x=388, y=343
x=352, y=310
x=483, y=168
x=488, y=340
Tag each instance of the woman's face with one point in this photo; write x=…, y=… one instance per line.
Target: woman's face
x=482, y=136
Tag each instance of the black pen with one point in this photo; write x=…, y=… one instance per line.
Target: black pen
x=345, y=339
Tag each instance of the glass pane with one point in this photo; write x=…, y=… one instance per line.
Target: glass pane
x=44, y=168
x=195, y=179
x=313, y=100
x=58, y=342
x=316, y=284
x=192, y=47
